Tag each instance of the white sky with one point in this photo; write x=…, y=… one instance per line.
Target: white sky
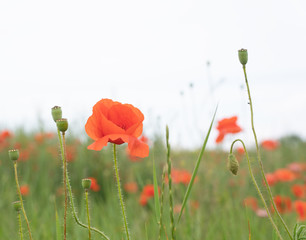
x=73, y=53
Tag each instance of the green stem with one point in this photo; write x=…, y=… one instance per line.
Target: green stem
x=87, y=208
x=71, y=198
x=172, y=225
x=259, y=157
x=119, y=193
x=21, y=202
x=65, y=185
x=256, y=185
x=20, y=225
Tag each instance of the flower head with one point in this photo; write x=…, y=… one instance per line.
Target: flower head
x=269, y=144
x=226, y=126
x=116, y=123
x=24, y=190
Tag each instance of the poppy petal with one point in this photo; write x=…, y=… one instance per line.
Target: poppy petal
x=138, y=148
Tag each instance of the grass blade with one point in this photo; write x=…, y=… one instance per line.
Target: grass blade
x=156, y=195
x=196, y=168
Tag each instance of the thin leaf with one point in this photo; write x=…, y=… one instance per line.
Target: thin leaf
x=196, y=168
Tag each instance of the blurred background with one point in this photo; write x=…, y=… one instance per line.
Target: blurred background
x=174, y=60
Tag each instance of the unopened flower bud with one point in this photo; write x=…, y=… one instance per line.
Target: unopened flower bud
x=232, y=164
x=13, y=154
x=62, y=124
x=243, y=56
x=86, y=183
x=56, y=112
x=17, y=206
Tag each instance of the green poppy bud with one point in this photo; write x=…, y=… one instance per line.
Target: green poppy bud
x=17, y=206
x=13, y=154
x=243, y=56
x=62, y=124
x=56, y=112
x=232, y=164
x=86, y=183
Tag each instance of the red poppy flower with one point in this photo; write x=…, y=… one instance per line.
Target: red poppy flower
x=299, y=190
x=269, y=144
x=284, y=175
x=251, y=202
x=94, y=185
x=116, y=123
x=147, y=193
x=300, y=208
x=271, y=179
x=131, y=187
x=283, y=204
x=24, y=189
x=226, y=126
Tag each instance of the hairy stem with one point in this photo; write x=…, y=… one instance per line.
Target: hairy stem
x=259, y=157
x=256, y=186
x=120, y=194
x=21, y=201
x=88, y=217
x=20, y=225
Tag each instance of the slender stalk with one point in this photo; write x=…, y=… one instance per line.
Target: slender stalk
x=256, y=186
x=88, y=217
x=20, y=225
x=259, y=157
x=21, y=202
x=71, y=197
x=120, y=194
x=172, y=225
x=65, y=184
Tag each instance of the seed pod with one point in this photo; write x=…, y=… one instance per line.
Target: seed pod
x=56, y=112
x=62, y=124
x=86, y=183
x=13, y=154
x=243, y=56
x=232, y=164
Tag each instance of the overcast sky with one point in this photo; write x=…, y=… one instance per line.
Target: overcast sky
x=154, y=54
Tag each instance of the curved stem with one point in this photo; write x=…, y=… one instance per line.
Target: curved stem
x=119, y=194
x=87, y=208
x=259, y=157
x=21, y=202
x=256, y=185
x=71, y=198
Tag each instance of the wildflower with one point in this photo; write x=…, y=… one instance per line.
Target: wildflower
x=283, y=204
x=116, y=123
x=300, y=208
x=226, y=126
x=284, y=175
x=146, y=194
x=24, y=189
x=271, y=179
x=131, y=187
x=240, y=150
x=269, y=144
x=251, y=202
x=299, y=190
x=94, y=184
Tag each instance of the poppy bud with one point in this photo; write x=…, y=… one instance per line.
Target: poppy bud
x=86, y=183
x=56, y=112
x=243, y=56
x=17, y=206
x=13, y=154
x=232, y=164
x=62, y=124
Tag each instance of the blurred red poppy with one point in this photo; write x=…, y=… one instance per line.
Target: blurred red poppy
x=299, y=190
x=131, y=187
x=271, y=179
x=269, y=144
x=24, y=189
x=283, y=204
x=146, y=194
x=226, y=126
x=251, y=202
x=116, y=123
x=284, y=175
x=300, y=208
x=94, y=185
x=240, y=150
